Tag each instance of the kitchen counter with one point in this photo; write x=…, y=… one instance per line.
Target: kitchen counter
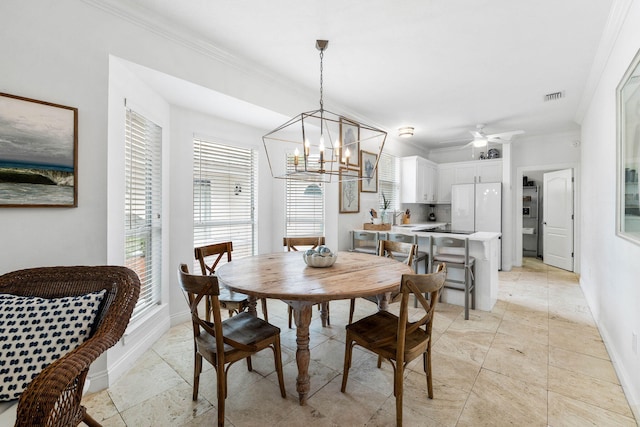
x=483, y=246
x=403, y=227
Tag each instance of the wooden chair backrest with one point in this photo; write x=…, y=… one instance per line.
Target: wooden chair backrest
x=198, y=287
x=219, y=249
x=292, y=243
x=418, y=285
x=390, y=249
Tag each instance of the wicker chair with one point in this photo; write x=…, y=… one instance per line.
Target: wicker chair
x=53, y=397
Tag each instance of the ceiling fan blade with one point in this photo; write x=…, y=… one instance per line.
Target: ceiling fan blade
x=504, y=136
x=465, y=145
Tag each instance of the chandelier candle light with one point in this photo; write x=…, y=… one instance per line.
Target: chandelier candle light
x=330, y=144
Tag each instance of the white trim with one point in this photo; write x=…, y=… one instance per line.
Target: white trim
x=137, y=339
x=626, y=379
x=517, y=241
x=617, y=16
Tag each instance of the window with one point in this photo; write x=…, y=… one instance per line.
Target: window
x=224, y=189
x=304, y=206
x=143, y=206
x=389, y=180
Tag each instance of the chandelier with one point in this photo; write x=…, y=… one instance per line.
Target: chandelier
x=318, y=145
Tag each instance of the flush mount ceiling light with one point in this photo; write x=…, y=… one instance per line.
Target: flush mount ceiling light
x=405, y=132
x=317, y=145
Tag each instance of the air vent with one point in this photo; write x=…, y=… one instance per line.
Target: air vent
x=553, y=96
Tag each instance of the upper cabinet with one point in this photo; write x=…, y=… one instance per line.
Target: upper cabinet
x=418, y=178
x=423, y=181
x=466, y=173
x=446, y=178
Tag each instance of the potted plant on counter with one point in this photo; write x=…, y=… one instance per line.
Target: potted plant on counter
x=386, y=203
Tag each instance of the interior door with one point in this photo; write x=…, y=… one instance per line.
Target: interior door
x=557, y=219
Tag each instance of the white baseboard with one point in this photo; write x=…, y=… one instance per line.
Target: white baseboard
x=138, y=338
x=629, y=387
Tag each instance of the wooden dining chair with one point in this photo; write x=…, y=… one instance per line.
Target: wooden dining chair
x=397, y=250
x=209, y=256
x=223, y=343
x=311, y=242
x=395, y=338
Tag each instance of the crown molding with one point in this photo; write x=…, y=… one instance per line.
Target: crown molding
x=615, y=21
x=142, y=18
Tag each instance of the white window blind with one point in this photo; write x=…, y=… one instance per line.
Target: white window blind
x=304, y=206
x=143, y=206
x=224, y=190
x=389, y=180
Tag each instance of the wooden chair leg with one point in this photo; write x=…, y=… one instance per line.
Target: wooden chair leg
x=290, y=311
x=352, y=308
x=325, y=307
x=265, y=314
x=249, y=364
x=347, y=364
x=398, y=392
x=278, y=357
x=427, y=369
x=90, y=421
x=222, y=393
x=196, y=375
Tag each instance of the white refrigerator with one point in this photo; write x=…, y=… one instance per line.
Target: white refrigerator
x=477, y=207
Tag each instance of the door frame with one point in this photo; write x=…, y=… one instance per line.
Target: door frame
x=517, y=211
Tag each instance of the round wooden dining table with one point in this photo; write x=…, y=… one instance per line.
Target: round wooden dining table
x=285, y=276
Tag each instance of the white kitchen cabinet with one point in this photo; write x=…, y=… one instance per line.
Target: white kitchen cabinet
x=478, y=171
x=446, y=178
x=466, y=173
x=418, y=180
x=489, y=171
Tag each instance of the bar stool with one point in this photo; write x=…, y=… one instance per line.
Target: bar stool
x=365, y=242
x=407, y=238
x=455, y=260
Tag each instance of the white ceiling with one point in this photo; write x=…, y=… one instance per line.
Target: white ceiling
x=442, y=66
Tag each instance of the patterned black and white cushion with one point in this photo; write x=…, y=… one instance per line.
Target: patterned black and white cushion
x=34, y=332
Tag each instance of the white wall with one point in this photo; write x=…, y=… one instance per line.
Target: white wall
x=61, y=52
x=610, y=267
x=545, y=153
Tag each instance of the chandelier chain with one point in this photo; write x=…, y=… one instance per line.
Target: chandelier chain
x=321, y=88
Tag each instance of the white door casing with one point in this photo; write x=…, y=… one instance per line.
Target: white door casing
x=557, y=219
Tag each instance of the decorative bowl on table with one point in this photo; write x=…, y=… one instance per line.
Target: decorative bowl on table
x=320, y=257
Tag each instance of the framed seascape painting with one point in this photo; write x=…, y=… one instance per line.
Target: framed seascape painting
x=369, y=172
x=350, y=142
x=349, y=194
x=628, y=135
x=38, y=153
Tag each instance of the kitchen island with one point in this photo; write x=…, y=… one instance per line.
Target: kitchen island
x=483, y=246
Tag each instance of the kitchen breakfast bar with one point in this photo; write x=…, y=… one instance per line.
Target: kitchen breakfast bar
x=483, y=246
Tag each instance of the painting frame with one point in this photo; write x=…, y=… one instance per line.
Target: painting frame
x=368, y=172
x=349, y=138
x=628, y=153
x=349, y=192
x=38, y=153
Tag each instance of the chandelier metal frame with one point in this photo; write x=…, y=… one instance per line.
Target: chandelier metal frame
x=318, y=145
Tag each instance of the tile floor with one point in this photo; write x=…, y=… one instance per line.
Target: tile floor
x=537, y=359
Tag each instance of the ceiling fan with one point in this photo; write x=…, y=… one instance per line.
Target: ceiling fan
x=480, y=138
